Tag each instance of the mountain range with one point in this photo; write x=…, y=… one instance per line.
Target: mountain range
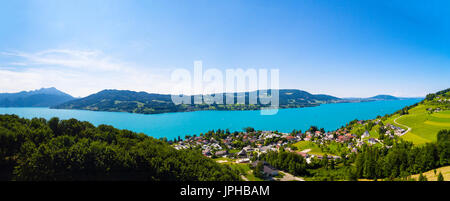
x=152, y=103
x=44, y=97
x=149, y=103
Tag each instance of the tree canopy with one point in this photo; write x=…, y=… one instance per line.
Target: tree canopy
x=38, y=149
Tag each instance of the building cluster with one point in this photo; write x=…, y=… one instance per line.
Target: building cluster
x=255, y=143
x=391, y=129
x=259, y=142
x=242, y=146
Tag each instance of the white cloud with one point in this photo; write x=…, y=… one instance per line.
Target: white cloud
x=79, y=73
x=89, y=60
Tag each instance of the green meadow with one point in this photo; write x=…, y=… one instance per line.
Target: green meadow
x=304, y=145
x=424, y=124
x=244, y=170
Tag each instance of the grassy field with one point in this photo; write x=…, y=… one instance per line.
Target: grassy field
x=433, y=177
x=429, y=175
x=358, y=128
x=244, y=169
x=424, y=125
x=302, y=145
x=233, y=151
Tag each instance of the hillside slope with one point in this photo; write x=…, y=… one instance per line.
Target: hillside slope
x=142, y=102
x=427, y=118
x=421, y=121
x=56, y=150
x=431, y=176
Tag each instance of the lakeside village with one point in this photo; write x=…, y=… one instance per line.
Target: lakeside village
x=314, y=144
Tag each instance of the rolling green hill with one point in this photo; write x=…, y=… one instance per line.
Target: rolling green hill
x=142, y=102
x=427, y=118
x=424, y=119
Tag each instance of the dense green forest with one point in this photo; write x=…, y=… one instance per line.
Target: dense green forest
x=403, y=158
x=288, y=161
x=142, y=102
x=56, y=149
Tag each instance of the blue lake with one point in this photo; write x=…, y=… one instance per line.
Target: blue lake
x=171, y=125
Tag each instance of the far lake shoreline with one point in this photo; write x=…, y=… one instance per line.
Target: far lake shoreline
x=171, y=125
x=349, y=101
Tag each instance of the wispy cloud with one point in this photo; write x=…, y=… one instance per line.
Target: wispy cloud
x=78, y=72
x=89, y=60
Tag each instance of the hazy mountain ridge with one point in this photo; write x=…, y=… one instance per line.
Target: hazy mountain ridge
x=381, y=97
x=44, y=97
x=152, y=103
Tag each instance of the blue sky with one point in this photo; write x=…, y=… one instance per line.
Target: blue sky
x=341, y=48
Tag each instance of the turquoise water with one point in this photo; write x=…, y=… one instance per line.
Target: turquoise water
x=171, y=125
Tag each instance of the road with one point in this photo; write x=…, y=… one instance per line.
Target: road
x=409, y=129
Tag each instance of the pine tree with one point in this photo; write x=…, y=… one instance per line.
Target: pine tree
x=440, y=177
x=422, y=177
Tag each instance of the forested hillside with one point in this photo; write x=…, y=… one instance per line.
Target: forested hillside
x=142, y=102
x=37, y=149
x=403, y=159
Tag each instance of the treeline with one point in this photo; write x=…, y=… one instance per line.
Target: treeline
x=403, y=158
x=317, y=169
x=287, y=161
x=430, y=97
x=38, y=149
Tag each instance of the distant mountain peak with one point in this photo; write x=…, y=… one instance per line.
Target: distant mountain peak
x=383, y=97
x=43, y=97
x=50, y=91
